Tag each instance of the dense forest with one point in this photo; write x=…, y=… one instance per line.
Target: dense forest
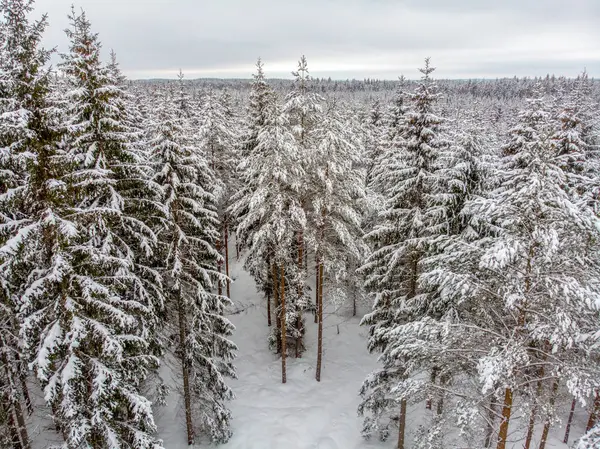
x=460, y=215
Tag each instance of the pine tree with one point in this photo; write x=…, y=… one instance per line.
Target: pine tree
x=217, y=137
x=274, y=213
x=188, y=245
x=414, y=216
x=259, y=112
x=337, y=195
x=303, y=109
x=526, y=301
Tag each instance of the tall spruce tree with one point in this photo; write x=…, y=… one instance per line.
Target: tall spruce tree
x=85, y=313
x=188, y=241
x=414, y=216
x=27, y=144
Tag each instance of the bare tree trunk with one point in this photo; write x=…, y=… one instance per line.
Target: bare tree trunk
x=300, y=293
x=508, y=392
x=570, y=421
x=549, y=415
x=187, y=396
x=226, y=232
x=14, y=434
x=22, y=376
x=269, y=290
x=316, y=288
x=506, y=410
x=276, y=304
x=432, y=377
x=14, y=402
x=594, y=413
x=440, y=404
x=219, y=286
x=490, y=425
x=530, y=427
x=320, y=325
x=283, y=329
x=402, y=424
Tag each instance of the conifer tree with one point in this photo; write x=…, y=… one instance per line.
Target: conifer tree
x=188, y=241
x=273, y=213
x=85, y=313
x=261, y=107
x=414, y=216
x=26, y=144
x=527, y=302
x=337, y=195
x=303, y=109
x=218, y=134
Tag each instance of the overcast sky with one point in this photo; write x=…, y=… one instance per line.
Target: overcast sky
x=341, y=38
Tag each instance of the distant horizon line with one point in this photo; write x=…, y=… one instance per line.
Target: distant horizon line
x=591, y=78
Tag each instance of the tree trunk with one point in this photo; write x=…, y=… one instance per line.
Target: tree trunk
x=6, y=412
x=440, y=404
x=402, y=424
x=276, y=304
x=490, y=425
x=23, y=379
x=320, y=325
x=432, y=377
x=187, y=396
x=283, y=328
x=594, y=413
x=530, y=427
x=14, y=402
x=219, y=286
x=506, y=410
x=508, y=392
x=549, y=415
x=226, y=232
x=570, y=421
x=269, y=309
x=300, y=293
x=316, y=288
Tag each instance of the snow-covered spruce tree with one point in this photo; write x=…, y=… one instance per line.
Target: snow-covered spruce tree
x=258, y=114
x=303, y=109
x=85, y=312
x=25, y=136
x=384, y=128
x=590, y=440
x=218, y=134
x=414, y=216
x=337, y=197
x=575, y=139
x=188, y=241
x=274, y=213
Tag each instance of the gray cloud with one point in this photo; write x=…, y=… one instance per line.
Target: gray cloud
x=341, y=38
